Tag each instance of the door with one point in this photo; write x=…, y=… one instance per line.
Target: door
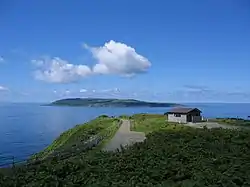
x=189, y=118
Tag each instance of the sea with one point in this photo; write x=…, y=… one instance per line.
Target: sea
x=26, y=129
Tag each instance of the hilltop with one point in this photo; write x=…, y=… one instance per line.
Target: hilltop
x=100, y=102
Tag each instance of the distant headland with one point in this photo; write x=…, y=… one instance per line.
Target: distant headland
x=100, y=102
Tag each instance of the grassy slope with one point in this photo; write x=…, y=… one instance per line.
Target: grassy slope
x=175, y=156
x=147, y=122
x=75, y=137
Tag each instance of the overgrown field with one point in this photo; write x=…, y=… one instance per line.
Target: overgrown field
x=151, y=122
x=175, y=156
x=233, y=121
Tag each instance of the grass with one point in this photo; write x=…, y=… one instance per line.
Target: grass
x=148, y=123
x=77, y=136
x=232, y=121
x=173, y=155
x=109, y=133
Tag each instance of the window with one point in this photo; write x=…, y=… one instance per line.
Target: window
x=177, y=115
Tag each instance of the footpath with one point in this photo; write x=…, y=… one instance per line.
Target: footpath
x=124, y=137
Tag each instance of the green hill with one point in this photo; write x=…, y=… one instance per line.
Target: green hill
x=173, y=155
x=98, y=102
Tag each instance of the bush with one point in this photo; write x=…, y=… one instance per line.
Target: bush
x=103, y=116
x=187, y=157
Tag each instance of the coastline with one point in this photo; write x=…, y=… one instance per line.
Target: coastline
x=101, y=102
x=115, y=121
x=92, y=166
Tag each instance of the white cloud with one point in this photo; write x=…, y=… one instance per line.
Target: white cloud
x=112, y=58
x=117, y=90
x=2, y=88
x=56, y=70
x=118, y=58
x=1, y=59
x=106, y=90
x=112, y=90
x=83, y=90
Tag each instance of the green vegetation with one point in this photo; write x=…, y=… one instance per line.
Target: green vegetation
x=75, y=138
x=108, y=134
x=232, y=121
x=173, y=155
x=98, y=102
x=124, y=117
x=148, y=123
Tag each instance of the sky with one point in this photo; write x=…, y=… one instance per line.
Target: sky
x=167, y=51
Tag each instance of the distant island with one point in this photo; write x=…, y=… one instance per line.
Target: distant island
x=99, y=102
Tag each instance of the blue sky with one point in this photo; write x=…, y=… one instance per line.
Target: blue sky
x=173, y=51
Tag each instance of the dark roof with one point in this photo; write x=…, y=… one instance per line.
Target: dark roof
x=182, y=110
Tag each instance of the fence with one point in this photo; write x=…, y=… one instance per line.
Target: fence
x=62, y=153
x=73, y=151
x=11, y=161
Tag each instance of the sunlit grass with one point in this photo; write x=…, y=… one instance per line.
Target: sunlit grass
x=148, y=123
x=76, y=137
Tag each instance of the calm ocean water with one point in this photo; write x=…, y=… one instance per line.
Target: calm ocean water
x=28, y=128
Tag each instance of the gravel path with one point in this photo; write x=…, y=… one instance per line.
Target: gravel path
x=124, y=137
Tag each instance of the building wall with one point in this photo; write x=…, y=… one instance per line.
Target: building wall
x=197, y=119
x=195, y=113
x=182, y=119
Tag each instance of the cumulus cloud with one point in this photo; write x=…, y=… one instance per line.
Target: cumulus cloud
x=56, y=70
x=2, y=88
x=118, y=58
x=112, y=58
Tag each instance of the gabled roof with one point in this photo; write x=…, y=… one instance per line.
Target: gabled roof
x=182, y=110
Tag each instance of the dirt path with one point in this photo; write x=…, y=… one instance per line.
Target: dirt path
x=124, y=137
